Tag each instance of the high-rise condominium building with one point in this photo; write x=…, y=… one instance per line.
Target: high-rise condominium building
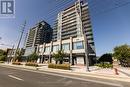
x=73, y=22
x=37, y=35
x=72, y=33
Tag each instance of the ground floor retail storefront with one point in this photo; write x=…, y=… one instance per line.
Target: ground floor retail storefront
x=76, y=59
x=73, y=47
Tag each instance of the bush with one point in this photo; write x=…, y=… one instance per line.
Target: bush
x=16, y=63
x=51, y=65
x=1, y=61
x=33, y=57
x=31, y=64
x=106, y=58
x=104, y=65
x=2, y=57
x=59, y=66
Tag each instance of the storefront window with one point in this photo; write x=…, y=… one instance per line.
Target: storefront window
x=47, y=49
x=66, y=46
x=55, y=48
x=78, y=45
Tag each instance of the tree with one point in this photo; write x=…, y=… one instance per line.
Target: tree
x=33, y=57
x=122, y=53
x=106, y=58
x=58, y=57
x=2, y=55
x=19, y=54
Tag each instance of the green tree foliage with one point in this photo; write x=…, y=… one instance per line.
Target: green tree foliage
x=19, y=54
x=122, y=53
x=58, y=57
x=106, y=58
x=33, y=57
x=2, y=55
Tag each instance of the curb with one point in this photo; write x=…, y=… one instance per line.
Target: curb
x=110, y=77
x=66, y=72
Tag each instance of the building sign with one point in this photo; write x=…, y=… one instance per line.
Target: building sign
x=7, y=8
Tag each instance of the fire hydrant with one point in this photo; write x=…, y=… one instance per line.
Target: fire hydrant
x=116, y=71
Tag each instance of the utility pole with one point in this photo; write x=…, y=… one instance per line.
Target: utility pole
x=23, y=27
x=11, y=53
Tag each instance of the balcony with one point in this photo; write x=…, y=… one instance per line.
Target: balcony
x=68, y=29
x=69, y=22
x=69, y=26
x=70, y=13
x=69, y=19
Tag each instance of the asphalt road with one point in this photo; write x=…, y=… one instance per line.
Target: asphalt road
x=21, y=78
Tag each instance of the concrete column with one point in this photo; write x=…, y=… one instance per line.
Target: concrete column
x=50, y=52
x=37, y=49
x=60, y=44
x=86, y=53
x=71, y=46
x=43, y=48
x=37, y=52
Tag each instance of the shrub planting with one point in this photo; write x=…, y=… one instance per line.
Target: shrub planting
x=59, y=66
x=31, y=64
x=16, y=63
x=51, y=65
x=1, y=61
x=104, y=65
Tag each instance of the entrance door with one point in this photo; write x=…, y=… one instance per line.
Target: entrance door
x=80, y=60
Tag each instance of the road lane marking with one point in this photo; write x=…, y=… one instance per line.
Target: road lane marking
x=65, y=76
x=82, y=79
x=78, y=78
x=15, y=77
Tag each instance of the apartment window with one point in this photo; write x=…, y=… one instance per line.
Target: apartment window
x=78, y=45
x=55, y=48
x=66, y=46
x=47, y=49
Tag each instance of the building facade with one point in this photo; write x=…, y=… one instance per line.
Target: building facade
x=37, y=35
x=72, y=33
x=11, y=53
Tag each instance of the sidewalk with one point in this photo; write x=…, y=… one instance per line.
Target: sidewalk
x=81, y=71
x=123, y=72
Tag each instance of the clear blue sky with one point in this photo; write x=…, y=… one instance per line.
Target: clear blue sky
x=111, y=27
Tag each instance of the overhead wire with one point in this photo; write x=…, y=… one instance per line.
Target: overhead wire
x=109, y=4
x=60, y=8
x=52, y=15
